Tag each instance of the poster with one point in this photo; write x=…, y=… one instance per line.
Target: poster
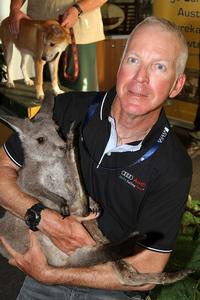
x=186, y=14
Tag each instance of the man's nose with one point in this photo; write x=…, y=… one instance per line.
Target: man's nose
x=142, y=74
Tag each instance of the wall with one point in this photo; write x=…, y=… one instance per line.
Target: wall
x=16, y=71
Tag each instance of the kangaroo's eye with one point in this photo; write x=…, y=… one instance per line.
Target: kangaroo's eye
x=52, y=44
x=41, y=140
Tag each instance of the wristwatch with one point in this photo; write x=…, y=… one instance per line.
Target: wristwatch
x=76, y=5
x=33, y=216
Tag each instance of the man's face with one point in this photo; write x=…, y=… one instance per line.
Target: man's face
x=147, y=75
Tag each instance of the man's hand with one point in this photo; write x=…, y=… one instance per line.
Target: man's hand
x=33, y=262
x=14, y=20
x=70, y=17
x=68, y=233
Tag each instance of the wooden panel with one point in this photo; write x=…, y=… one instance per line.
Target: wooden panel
x=181, y=113
x=109, y=53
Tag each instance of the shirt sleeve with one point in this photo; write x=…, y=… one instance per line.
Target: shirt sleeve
x=161, y=213
x=71, y=107
x=14, y=150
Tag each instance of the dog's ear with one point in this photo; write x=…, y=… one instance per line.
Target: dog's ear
x=56, y=29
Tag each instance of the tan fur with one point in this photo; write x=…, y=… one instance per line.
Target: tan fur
x=44, y=41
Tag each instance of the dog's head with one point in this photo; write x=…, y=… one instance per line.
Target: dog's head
x=55, y=40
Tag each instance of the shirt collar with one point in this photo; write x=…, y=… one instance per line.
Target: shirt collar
x=154, y=132
x=107, y=103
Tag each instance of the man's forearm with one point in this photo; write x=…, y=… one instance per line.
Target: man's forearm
x=104, y=276
x=16, y=5
x=89, y=5
x=12, y=197
x=101, y=277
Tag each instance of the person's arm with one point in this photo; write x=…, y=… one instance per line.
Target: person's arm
x=35, y=264
x=11, y=197
x=71, y=14
x=67, y=233
x=16, y=15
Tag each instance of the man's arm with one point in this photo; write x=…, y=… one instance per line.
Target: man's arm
x=16, y=15
x=104, y=277
x=35, y=264
x=67, y=234
x=16, y=4
x=11, y=197
x=71, y=14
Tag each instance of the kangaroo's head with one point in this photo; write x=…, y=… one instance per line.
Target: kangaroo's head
x=39, y=136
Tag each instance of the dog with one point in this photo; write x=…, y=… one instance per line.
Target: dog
x=44, y=41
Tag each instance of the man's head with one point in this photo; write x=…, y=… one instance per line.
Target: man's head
x=167, y=25
x=152, y=66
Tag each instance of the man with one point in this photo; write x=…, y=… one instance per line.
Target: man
x=85, y=18
x=131, y=162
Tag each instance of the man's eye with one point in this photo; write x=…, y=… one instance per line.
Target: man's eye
x=160, y=67
x=132, y=60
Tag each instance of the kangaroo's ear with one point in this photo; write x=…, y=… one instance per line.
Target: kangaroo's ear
x=15, y=123
x=47, y=106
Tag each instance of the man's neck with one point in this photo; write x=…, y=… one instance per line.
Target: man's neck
x=132, y=128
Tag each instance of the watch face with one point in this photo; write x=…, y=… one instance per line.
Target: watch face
x=32, y=219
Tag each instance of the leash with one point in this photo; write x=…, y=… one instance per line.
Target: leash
x=64, y=57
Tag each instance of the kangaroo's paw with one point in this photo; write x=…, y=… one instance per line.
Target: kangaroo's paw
x=91, y=216
x=64, y=210
x=94, y=207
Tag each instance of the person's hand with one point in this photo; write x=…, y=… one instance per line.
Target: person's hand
x=68, y=233
x=70, y=17
x=33, y=262
x=14, y=21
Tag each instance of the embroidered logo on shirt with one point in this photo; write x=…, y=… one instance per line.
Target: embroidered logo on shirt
x=135, y=182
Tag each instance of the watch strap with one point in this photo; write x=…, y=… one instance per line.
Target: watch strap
x=36, y=210
x=77, y=6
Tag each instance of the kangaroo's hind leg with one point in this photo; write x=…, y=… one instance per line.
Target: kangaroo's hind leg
x=127, y=275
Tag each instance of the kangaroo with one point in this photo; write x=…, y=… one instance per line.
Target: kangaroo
x=50, y=174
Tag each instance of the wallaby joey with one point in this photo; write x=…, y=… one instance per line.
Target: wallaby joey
x=50, y=174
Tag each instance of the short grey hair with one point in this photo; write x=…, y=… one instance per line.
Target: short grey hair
x=170, y=27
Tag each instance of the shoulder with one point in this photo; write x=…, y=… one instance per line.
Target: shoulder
x=177, y=156
x=72, y=106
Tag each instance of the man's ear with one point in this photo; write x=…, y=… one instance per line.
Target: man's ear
x=177, y=86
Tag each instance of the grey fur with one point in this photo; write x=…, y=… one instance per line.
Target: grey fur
x=50, y=174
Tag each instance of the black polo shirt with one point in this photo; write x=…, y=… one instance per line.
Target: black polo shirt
x=148, y=196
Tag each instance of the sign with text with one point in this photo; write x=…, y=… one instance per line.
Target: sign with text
x=186, y=14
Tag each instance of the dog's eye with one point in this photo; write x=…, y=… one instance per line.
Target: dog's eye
x=52, y=44
x=41, y=140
